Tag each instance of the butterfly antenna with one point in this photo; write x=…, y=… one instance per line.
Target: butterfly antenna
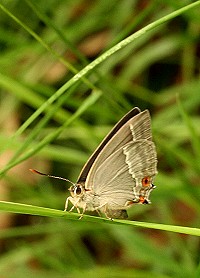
x=50, y=176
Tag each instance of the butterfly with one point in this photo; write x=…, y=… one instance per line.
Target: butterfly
x=120, y=172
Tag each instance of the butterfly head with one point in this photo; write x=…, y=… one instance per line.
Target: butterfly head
x=77, y=190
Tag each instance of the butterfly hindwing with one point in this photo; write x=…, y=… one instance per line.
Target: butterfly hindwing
x=115, y=180
x=141, y=158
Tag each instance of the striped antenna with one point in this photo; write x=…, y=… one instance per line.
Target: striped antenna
x=50, y=176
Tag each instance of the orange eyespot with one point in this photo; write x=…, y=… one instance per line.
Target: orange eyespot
x=142, y=200
x=146, y=181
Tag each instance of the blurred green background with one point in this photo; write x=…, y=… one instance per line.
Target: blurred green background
x=159, y=71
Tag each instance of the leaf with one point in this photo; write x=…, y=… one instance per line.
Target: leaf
x=47, y=212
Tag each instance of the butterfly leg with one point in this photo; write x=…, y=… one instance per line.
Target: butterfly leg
x=108, y=217
x=66, y=203
x=99, y=212
x=105, y=208
x=74, y=205
x=84, y=209
x=78, y=210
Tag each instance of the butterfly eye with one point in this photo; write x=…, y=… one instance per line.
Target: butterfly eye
x=78, y=190
x=146, y=181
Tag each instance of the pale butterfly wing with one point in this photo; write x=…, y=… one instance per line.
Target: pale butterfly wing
x=136, y=128
x=115, y=179
x=112, y=181
x=141, y=158
x=111, y=136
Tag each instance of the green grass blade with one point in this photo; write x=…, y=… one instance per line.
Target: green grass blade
x=47, y=212
x=85, y=105
x=194, y=136
x=100, y=59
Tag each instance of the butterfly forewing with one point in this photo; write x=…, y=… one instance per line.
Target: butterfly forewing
x=131, y=131
x=109, y=137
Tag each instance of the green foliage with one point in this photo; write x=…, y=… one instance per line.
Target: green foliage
x=68, y=71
